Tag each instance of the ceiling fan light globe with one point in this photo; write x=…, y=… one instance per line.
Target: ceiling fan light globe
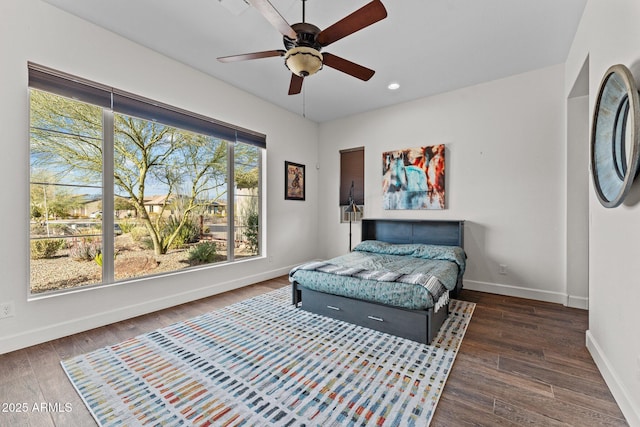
x=303, y=61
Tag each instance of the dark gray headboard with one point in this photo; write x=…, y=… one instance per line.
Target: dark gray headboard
x=434, y=232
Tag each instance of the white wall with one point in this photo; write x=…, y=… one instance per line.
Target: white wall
x=31, y=30
x=577, y=218
x=608, y=34
x=505, y=176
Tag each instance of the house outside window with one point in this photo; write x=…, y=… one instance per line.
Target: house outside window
x=123, y=187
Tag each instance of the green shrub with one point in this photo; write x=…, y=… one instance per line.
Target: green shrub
x=203, y=253
x=252, y=231
x=138, y=233
x=45, y=248
x=128, y=225
x=36, y=212
x=146, y=243
x=189, y=232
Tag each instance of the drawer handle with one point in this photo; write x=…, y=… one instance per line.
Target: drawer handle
x=333, y=308
x=379, y=319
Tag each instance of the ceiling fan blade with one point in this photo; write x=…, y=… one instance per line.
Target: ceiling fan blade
x=273, y=16
x=255, y=55
x=295, y=87
x=351, y=68
x=361, y=18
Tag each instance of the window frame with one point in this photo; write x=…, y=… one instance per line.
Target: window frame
x=114, y=101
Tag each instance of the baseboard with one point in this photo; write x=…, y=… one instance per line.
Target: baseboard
x=516, y=291
x=63, y=329
x=578, y=302
x=617, y=388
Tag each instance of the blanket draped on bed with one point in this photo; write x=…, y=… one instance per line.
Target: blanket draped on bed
x=432, y=268
x=438, y=292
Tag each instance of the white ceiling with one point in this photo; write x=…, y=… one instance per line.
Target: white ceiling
x=428, y=46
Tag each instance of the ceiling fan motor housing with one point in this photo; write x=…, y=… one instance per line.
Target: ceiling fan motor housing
x=306, y=33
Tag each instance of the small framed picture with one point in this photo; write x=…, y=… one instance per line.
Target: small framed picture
x=293, y=181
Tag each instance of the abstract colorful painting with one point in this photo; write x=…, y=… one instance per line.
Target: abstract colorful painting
x=413, y=178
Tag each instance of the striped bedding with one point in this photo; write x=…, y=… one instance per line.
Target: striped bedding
x=412, y=276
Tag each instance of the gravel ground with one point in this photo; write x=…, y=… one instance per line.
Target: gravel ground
x=62, y=272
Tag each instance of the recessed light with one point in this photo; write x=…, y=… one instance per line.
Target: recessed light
x=393, y=86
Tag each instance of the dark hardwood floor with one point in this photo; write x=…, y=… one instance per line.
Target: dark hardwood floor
x=522, y=362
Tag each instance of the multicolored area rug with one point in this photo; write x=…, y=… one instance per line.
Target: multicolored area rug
x=263, y=362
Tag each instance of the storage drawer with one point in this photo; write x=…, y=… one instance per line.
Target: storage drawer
x=410, y=324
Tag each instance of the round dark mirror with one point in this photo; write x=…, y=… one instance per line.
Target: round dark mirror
x=615, y=136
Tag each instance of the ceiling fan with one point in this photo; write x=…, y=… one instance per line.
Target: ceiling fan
x=303, y=42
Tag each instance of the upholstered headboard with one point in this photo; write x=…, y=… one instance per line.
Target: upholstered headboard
x=434, y=232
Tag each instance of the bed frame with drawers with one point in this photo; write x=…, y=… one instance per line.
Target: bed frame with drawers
x=417, y=325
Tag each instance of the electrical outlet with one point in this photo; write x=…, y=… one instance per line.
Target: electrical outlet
x=6, y=310
x=502, y=269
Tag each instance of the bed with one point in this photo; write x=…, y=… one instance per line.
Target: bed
x=381, y=284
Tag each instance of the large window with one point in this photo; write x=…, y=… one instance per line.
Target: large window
x=122, y=187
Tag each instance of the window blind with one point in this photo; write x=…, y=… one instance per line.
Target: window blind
x=352, y=170
x=50, y=80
